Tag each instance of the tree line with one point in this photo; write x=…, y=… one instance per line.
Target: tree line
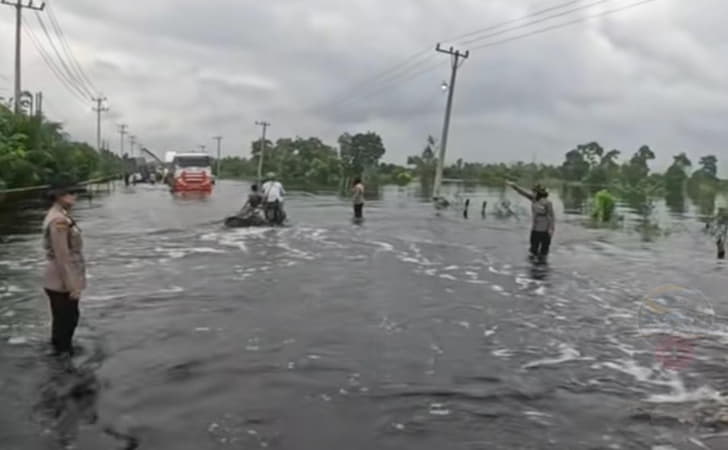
x=35, y=151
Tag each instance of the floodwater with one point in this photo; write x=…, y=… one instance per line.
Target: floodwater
x=409, y=331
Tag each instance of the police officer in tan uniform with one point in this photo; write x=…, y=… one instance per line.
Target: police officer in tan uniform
x=65, y=274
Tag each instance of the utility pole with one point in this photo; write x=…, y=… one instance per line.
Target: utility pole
x=122, y=133
x=99, y=109
x=261, y=149
x=132, y=141
x=19, y=6
x=457, y=59
x=39, y=104
x=219, y=140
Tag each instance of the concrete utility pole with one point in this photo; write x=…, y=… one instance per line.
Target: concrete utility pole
x=219, y=140
x=99, y=109
x=39, y=104
x=261, y=150
x=122, y=133
x=456, y=63
x=19, y=5
x=132, y=141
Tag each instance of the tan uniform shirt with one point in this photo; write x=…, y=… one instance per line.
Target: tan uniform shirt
x=66, y=267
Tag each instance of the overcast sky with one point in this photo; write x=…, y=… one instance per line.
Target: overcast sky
x=181, y=71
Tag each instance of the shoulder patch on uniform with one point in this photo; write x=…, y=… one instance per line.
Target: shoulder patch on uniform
x=61, y=225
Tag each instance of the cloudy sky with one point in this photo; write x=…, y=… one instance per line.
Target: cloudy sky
x=181, y=71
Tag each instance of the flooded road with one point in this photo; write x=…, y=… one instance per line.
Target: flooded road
x=411, y=331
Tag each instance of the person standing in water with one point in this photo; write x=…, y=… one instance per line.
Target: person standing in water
x=65, y=272
x=358, y=198
x=544, y=222
x=273, y=193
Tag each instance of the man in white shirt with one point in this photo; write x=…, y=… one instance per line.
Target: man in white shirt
x=273, y=193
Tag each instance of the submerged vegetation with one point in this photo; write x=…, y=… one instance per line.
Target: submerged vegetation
x=605, y=204
x=34, y=150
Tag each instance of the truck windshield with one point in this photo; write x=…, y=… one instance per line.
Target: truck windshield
x=192, y=161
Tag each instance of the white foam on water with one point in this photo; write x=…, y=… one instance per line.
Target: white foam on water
x=384, y=246
x=10, y=313
x=18, y=340
x=171, y=290
x=398, y=426
x=536, y=414
x=502, y=353
x=202, y=329
x=446, y=276
x=464, y=324
x=451, y=268
x=567, y=354
x=497, y=288
x=481, y=282
x=648, y=375
x=540, y=291
x=102, y=298
x=435, y=348
x=498, y=272
x=490, y=332
x=439, y=409
x=313, y=357
x=681, y=395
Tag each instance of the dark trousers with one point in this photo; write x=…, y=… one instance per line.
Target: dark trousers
x=540, y=243
x=273, y=212
x=65, y=319
x=359, y=211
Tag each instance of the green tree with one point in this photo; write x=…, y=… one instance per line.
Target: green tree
x=425, y=164
x=360, y=152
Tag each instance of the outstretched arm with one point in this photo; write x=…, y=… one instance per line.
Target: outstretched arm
x=526, y=193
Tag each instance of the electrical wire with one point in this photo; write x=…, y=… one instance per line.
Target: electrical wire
x=405, y=68
x=535, y=22
x=69, y=52
x=70, y=74
x=565, y=24
x=411, y=75
x=76, y=94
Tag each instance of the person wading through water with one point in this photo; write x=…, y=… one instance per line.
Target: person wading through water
x=544, y=223
x=65, y=273
x=273, y=193
x=358, y=198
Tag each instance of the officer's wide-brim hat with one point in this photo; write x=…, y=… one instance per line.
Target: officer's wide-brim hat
x=63, y=185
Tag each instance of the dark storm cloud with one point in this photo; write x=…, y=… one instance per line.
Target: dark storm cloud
x=181, y=71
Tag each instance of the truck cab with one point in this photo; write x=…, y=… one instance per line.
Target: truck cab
x=190, y=172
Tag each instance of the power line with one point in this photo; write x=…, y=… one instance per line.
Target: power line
x=404, y=68
x=53, y=67
x=69, y=52
x=540, y=12
x=411, y=75
x=535, y=22
x=74, y=78
x=564, y=24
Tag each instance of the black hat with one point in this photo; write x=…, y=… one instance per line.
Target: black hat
x=63, y=184
x=539, y=189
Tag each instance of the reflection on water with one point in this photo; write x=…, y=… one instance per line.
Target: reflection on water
x=413, y=331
